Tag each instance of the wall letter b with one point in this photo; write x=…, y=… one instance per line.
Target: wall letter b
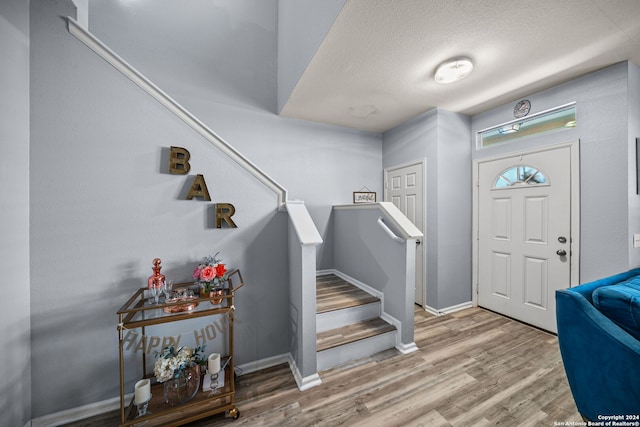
x=179, y=161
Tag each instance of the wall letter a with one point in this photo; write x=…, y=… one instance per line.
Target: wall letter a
x=199, y=189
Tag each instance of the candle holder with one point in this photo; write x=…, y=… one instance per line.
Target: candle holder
x=214, y=383
x=142, y=408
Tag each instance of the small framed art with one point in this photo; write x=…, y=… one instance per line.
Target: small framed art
x=364, y=197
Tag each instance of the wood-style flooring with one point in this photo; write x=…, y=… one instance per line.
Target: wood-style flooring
x=334, y=293
x=473, y=368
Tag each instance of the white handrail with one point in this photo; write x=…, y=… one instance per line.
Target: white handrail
x=389, y=232
x=390, y=212
x=93, y=43
x=302, y=223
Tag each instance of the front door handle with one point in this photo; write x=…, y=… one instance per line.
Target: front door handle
x=561, y=252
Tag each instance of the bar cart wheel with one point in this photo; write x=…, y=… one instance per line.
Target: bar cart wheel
x=234, y=413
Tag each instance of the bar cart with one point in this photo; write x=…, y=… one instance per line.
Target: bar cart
x=137, y=314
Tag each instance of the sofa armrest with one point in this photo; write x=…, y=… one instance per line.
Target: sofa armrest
x=601, y=360
x=586, y=290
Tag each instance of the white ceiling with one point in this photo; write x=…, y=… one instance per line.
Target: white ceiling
x=374, y=69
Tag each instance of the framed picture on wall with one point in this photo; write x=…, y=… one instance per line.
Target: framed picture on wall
x=364, y=197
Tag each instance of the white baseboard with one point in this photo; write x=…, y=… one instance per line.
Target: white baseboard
x=304, y=383
x=398, y=325
x=324, y=272
x=407, y=348
x=98, y=408
x=258, y=365
x=79, y=413
x=376, y=293
x=448, y=310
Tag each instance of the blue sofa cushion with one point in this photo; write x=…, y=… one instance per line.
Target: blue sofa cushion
x=621, y=303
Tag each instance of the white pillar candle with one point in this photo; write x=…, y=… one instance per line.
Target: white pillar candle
x=213, y=363
x=142, y=391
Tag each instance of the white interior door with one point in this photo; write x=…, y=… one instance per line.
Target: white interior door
x=524, y=234
x=404, y=187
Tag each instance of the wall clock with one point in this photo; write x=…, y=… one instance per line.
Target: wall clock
x=522, y=108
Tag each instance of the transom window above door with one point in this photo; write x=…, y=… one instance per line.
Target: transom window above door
x=520, y=176
x=554, y=120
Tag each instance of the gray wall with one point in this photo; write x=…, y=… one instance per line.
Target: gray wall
x=232, y=89
x=103, y=206
x=454, y=210
x=15, y=363
x=442, y=138
x=220, y=51
x=602, y=104
x=302, y=25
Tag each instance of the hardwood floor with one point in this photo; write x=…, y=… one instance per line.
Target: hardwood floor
x=352, y=333
x=333, y=293
x=473, y=368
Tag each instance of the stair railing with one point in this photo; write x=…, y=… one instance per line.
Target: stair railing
x=93, y=43
x=389, y=232
x=375, y=244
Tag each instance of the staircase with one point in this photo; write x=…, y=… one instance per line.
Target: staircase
x=348, y=323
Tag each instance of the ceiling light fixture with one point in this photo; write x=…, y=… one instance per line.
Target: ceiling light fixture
x=453, y=70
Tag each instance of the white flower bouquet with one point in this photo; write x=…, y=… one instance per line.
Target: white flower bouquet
x=172, y=363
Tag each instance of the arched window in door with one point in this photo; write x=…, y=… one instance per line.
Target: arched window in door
x=520, y=176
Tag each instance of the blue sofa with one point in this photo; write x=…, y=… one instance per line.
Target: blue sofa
x=600, y=353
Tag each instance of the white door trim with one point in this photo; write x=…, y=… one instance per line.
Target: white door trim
x=575, y=209
x=422, y=162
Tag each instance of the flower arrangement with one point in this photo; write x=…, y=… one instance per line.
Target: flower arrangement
x=211, y=273
x=172, y=363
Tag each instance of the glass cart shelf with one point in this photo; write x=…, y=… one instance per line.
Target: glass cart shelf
x=138, y=313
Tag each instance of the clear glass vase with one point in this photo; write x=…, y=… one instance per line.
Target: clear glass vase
x=183, y=388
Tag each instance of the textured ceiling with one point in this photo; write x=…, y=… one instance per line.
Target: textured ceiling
x=374, y=69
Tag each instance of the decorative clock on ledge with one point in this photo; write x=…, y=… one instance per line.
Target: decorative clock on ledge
x=522, y=108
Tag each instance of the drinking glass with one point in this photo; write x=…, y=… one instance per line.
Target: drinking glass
x=155, y=293
x=167, y=288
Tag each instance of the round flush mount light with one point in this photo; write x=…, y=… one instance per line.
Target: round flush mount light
x=453, y=70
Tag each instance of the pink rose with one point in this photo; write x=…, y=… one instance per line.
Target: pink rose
x=207, y=273
x=196, y=273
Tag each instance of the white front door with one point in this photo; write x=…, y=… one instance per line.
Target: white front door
x=404, y=187
x=524, y=234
